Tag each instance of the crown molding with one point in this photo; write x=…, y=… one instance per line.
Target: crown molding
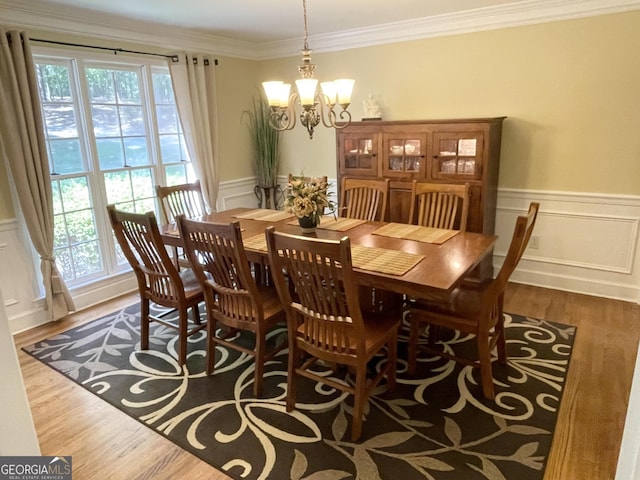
x=71, y=21
x=489, y=18
x=84, y=23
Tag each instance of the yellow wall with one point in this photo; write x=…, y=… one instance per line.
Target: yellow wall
x=570, y=90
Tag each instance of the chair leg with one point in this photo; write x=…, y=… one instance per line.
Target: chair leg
x=392, y=360
x=434, y=334
x=182, y=336
x=484, y=357
x=211, y=347
x=414, y=336
x=360, y=396
x=501, y=341
x=196, y=314
x=291, y=374
x=144, y=323
x=259, y=360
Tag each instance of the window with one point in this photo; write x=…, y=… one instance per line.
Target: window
x=112, y=132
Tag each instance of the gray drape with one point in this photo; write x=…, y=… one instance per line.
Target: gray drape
x=22, y=142
x=194, y=83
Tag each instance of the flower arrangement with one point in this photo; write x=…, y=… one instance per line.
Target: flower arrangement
x=308, y=198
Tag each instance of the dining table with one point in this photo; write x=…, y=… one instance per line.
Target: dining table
x=401, y=258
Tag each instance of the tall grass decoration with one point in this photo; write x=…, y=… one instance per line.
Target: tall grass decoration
x=265, y=143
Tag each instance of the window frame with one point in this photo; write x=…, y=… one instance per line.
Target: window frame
x=77, y=61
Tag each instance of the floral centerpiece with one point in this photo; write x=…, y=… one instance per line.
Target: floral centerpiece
x=308, y=200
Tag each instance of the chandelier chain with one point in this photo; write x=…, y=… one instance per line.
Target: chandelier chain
x=306, y=34
x=316, y=106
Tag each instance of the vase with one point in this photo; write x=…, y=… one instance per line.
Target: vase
x=307, y=224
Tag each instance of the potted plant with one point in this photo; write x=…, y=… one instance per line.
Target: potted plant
x=265, y=143
x=307, y=200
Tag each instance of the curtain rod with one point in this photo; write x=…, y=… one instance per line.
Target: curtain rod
x=174, y=58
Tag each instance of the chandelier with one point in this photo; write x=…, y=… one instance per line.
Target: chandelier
x=316, y=106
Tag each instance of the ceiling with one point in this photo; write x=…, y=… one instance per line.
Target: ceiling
x=274, y=20
x=268, y=28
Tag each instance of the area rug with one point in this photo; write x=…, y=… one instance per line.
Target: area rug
x=435, y=425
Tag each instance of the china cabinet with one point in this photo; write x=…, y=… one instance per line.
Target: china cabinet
x=439, y=151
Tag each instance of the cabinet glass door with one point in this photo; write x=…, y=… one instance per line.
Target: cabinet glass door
x=358, y=154
x=404, y=155
x=457, y=155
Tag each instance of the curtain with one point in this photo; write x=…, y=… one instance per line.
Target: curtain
x=22, y=143
x=194, y=84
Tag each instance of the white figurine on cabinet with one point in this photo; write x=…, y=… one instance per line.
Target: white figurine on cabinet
x=371, y=109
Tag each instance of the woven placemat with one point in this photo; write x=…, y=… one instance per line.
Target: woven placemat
x=340, y=224
x=257, y=242
x=392, y=262
x=416, y=232
x=265, y=215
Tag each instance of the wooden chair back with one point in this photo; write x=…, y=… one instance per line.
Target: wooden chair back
x=139, y=238
x=521, y=235
x=439, y=205
x=365, y=199
x=232, y=296
x=220, y=262
x=327, y=302
x=185, y=199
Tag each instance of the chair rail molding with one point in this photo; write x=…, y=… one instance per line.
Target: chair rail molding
x=587, y=243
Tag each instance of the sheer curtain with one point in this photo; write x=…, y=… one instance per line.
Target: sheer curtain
x=22, y=142
x=194, y=83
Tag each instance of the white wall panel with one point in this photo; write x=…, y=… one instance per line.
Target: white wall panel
x=585, y=243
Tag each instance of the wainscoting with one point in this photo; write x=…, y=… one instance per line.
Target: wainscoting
x=585, y=243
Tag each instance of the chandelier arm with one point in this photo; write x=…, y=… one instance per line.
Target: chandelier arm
x=291, y=110
x=326, y=112
x=282, y=119
x=343, y=114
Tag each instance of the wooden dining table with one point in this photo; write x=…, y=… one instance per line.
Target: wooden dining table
x=439, y=263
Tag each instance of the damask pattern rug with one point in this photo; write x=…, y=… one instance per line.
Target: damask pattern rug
x=436, y=424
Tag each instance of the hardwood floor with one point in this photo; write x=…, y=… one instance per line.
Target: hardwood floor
x=106, y=443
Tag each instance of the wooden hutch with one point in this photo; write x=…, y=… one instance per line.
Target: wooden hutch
x=439, y=151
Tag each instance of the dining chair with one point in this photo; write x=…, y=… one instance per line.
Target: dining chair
x=473, y=309
x=324, y=318
x=159, y=281
x=439, y=205
x=232, y=296
x=365, y=199
x=184, y=199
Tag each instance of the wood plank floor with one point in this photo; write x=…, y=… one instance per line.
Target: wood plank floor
x=106, y=443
